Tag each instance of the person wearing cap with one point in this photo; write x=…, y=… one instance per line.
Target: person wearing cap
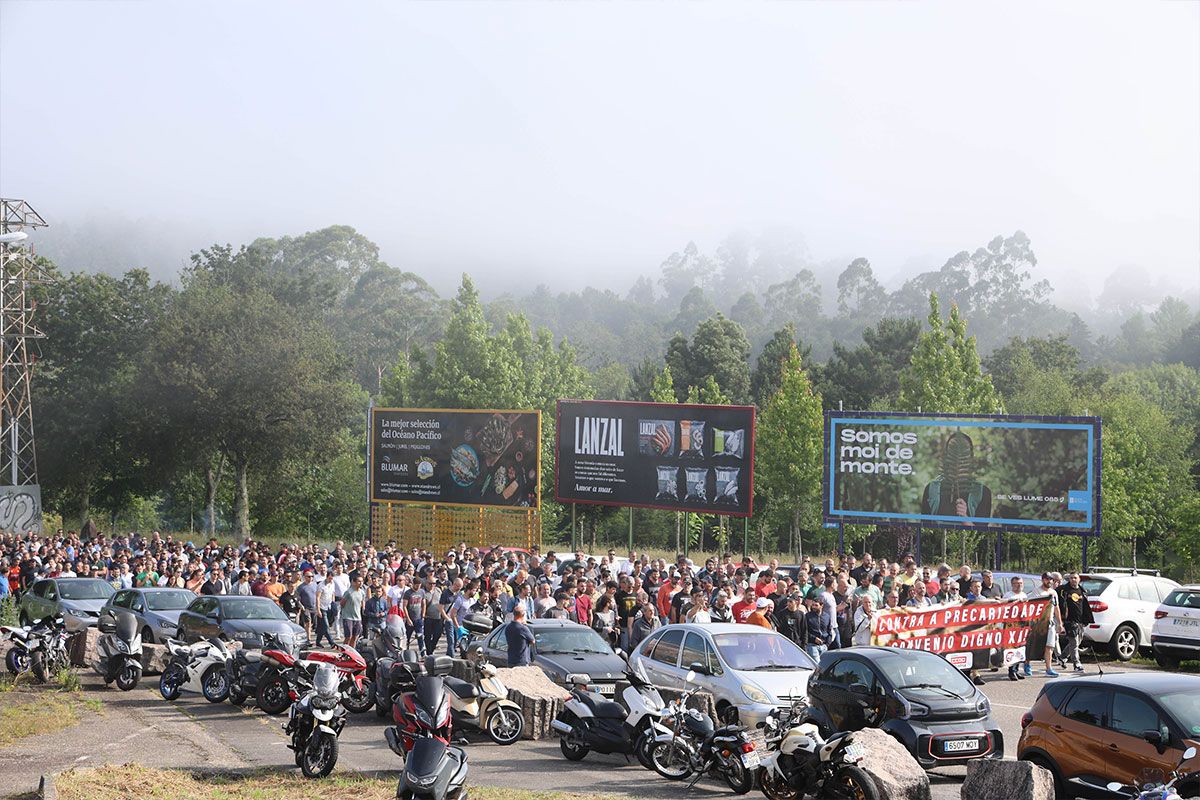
x=1047, y=592
x=762, y=608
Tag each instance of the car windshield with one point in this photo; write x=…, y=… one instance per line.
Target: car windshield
x=1183, y=598
x=174, y=600
x=1094, y=586
x=251, y=608
x=568, y=640
x=85, y=590
x=761, y=651
x=1185, y=708
x=919, y=670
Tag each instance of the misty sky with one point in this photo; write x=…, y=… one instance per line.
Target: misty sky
x=581, y=143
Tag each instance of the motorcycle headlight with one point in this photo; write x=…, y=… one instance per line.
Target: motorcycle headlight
x=756, y=695
x=421, y=715
x=324, y=702
x=427, y=780
x=122, y=647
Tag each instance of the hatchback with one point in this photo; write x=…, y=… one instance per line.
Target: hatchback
x=1123, y=605
x=1176, y=632
x=156, y=609
x=76, y=600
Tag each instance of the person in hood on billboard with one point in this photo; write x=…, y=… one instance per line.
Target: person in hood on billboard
x=955, y=492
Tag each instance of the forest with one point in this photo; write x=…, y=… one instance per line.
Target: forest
x=234, y=398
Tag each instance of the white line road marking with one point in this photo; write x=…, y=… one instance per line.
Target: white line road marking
x=82, y=758
x=1008, y=705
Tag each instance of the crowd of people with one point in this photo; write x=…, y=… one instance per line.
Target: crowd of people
x=346, y=592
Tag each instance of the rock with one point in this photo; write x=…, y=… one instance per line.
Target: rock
x=989, y=779
x=154, y=658
x=81, y=647
x=897, y=774
x=539, y=697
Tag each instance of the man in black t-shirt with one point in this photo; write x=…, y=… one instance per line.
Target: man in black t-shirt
x=627, y=609
x=1076, y=612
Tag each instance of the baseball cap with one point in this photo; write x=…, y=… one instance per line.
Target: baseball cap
x=763, y=603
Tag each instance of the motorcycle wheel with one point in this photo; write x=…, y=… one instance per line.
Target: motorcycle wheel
x=505, y=725
x=237, y=695
x=319, y=755
x=17, y=661
x=214, y=684
x=273, y=695
x=382, y=705
x=852, y=783
x=37, y=665
x=670, y=761
x=357, y=699
x=643, y=746
x=171, y=681
x=572, y=751
x=740, y=779
x=128, y=678
x=776, y=787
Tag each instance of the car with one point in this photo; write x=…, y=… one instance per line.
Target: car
x=1123, y=603
x=750, y=671
x=926, y=703
x=77, y=600
x=237, y=617
x=156, y=609
x=1098, y=729
x=562, y=649
x=1176, y=632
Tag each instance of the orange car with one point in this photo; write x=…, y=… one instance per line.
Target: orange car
x=1115, y=727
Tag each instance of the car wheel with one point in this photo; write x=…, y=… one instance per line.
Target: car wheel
x=1047, y=764
x=1165, y=661
x=147, y=635
x=1124, y=644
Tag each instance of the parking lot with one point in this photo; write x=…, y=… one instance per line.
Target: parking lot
x=140, y=727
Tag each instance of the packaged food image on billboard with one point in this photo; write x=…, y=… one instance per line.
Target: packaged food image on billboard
x=727, y=485
x=668, y=484
x=656, y=437
x=697, y=484
x=691, y=439
x=728, y=443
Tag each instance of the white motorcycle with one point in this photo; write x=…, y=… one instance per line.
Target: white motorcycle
x=314, y=723
x=799, y=761
x=198, y=667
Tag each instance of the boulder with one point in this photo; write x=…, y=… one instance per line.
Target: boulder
x=154, y=658
x=897, y=774
x=990, y=779
x=539, y=697
x=81, y=647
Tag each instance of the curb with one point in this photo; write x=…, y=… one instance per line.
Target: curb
x=46, y=790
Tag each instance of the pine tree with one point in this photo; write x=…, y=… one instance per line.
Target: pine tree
x=945, y=375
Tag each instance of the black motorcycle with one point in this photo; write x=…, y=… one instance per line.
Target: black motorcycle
x=433, y=768
x=245, y=666
x=315, y=722
x=395, y=676
x=696, y=747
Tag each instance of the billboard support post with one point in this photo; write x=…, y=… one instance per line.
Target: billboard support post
x=841, y=540
x=631, y=528
x=573, y=528
x=1084, y=567
x=745, y=536
x=918, y=546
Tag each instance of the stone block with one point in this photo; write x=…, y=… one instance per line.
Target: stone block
x=990, y=779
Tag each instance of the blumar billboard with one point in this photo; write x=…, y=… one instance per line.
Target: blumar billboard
x=678, y=457
x=451, y=457
x=1021, y=473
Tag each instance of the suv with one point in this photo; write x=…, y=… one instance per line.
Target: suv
x=1090, y=731
x=1176, y=632
x=919, y=698
x=1123, y=604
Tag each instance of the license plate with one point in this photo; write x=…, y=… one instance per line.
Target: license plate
x=854, y=752
x=960, y=745
x=750, y=759
x=606, y=688
x=1187, y=623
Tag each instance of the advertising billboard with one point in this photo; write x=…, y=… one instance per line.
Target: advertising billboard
x=450, y=457
x=975, y=635
x=677, y=457
x=1019, y=473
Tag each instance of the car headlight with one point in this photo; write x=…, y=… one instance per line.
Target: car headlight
x=166, y=624
x=757, y=695
x=917, y=710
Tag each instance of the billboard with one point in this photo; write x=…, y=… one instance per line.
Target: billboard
x=1019, y=473
x=450, y=457
x=677, y=457
x=976, y=634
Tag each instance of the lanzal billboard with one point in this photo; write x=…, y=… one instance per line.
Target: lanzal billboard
x=1020, y=473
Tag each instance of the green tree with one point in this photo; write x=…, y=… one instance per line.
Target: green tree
x=945, y=375
x=868, y=375
x=768, y=369
x=719, y=349
x=1006, y=364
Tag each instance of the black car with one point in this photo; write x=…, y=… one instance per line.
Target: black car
x=918, y=697
x=237, y=617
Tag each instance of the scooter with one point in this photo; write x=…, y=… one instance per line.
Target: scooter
x=198, y=667
x=799, y=761
x=119, y=650
x=1154, y=787
x=47, y=648
x=433, y=768
x=395, y=677
x=426, y=709
x=589, y=721
x=315, y=722
x=484, y=704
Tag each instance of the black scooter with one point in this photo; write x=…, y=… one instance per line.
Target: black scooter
x=433, y=769
x=394, y=676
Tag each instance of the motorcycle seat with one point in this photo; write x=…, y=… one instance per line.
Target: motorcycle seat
x=462, y=689
x=603, y=709
x=249, y=657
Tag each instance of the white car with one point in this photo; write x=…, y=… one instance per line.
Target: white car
x=1176, y=633
x=749, y=670
x=1123, y=603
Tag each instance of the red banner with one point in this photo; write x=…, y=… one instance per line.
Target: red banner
x=979, y=626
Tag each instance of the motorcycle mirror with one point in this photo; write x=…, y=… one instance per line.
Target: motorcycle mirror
x=691, y=676
x=1114, y=786
x=1189, y=754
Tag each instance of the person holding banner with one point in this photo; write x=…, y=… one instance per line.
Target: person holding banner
x=1017, y=594
x=861, y=632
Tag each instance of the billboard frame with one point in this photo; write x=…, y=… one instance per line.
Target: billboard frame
x=371, y=456
x=568, y=501
x=1095, y=462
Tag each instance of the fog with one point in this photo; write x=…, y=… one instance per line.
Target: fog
x=581, y=143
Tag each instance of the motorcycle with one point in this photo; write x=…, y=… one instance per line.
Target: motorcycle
x=198, y=667
x=1150, y=785
x=589, y=721
x=425, y=710
x=484, y=704
x=433, y=768
x=473, y=628
x=315, y=722
x=278, y=688
x=119, y=650
x=17, y=658
x=244, y=670
x=799, y=761
x=47, y=648
x=695, y=746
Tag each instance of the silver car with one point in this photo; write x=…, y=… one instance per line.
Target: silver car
x=749, y=670
x=155, y=608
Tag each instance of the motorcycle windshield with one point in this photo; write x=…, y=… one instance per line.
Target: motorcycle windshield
x=425, y=758
x=126, y=627
x=430, y=693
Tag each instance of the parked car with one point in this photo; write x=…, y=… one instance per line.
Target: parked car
x=156, y=609
x=562, y=648
x=1106, y=728
x=918, y=697
x=1176, y=632
x=750, y=671
x=77, y=600
x=237, y=617
x=1123, y=604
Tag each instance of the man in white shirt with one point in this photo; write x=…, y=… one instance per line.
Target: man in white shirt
x=1018, y=594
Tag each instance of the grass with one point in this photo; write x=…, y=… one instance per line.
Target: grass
x=28, y=709
x=145, y=783
x=8, y=611
x=1184, y=666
